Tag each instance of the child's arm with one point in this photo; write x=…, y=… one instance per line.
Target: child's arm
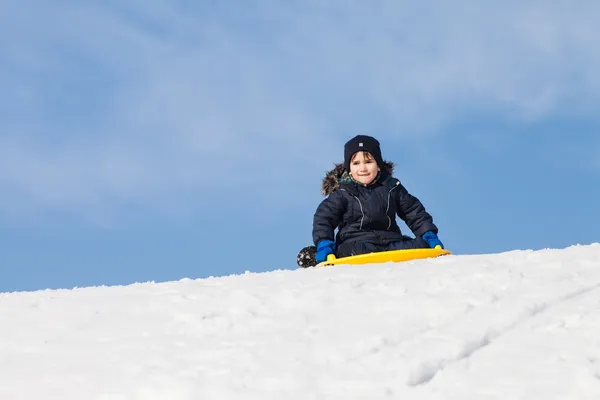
x=412, y=211
x=328, y=216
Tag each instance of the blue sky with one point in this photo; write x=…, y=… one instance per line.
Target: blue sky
x=156, y=140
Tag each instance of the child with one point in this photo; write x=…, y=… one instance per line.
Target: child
x=363, y=201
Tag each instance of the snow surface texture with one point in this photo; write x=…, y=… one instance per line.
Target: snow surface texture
x=516, y=325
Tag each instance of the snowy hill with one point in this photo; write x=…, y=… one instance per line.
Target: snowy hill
x=516, y=325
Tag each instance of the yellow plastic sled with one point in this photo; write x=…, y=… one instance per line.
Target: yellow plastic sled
x=386, y=256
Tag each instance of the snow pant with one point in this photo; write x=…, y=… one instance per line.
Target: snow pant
x=355, y=247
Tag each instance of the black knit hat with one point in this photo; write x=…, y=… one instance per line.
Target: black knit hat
x=362, y=143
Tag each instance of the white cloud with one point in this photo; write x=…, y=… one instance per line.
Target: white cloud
x=134, y=102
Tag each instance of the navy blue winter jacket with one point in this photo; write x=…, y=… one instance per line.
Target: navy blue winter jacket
x=367, y=214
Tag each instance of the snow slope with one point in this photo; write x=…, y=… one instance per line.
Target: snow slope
x=516, y=325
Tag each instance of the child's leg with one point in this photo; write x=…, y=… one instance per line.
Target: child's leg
x=417, y=243
x=355, y=247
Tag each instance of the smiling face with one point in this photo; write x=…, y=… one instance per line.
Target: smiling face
x=363, y=167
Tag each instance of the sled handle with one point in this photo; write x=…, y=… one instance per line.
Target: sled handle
x=331, y=257
x=438, y=247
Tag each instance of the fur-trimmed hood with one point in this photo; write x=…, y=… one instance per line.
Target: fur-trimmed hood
x=331, y=181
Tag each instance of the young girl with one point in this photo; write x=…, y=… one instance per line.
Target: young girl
x=363, y=201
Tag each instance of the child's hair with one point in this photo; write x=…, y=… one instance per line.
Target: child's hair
x=368, y=156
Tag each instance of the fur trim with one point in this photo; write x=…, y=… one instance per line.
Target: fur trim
x=331, y=181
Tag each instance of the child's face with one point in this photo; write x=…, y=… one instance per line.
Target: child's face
x=363, y=167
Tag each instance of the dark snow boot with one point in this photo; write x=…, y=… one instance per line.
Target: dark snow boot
x=306, y=257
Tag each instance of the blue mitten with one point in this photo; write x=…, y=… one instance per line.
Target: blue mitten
x=324, y=248
x=432, y=239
